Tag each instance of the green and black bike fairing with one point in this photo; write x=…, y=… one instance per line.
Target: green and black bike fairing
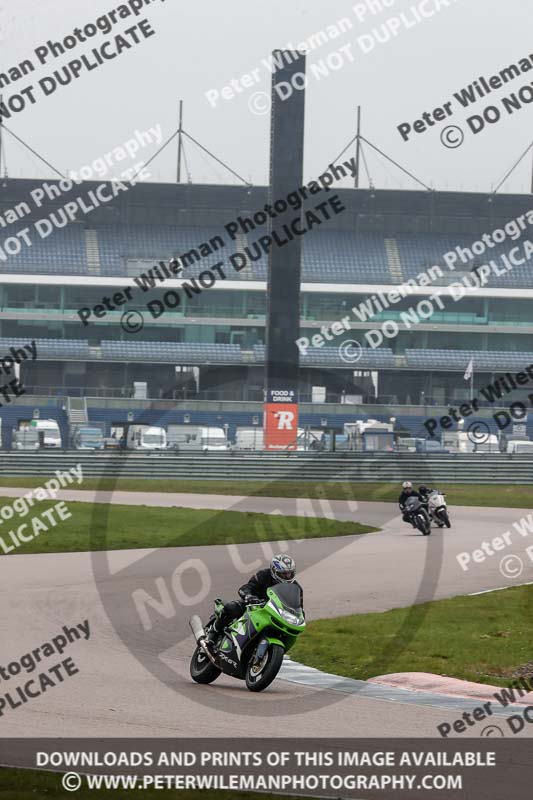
x=271, y=619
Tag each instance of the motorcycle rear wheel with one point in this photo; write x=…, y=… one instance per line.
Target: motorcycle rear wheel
x=201, y=669
x=259, y=676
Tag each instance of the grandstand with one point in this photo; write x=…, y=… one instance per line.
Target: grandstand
x=205, y=358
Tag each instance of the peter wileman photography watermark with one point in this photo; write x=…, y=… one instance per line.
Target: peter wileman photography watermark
x=507, y=696
x=303, y=222
x=17, y=671
x=453, y=136
x=367, y=11
x=86, y=62
x=492, y=393
x=13, y=513
x=85, y=203
x=511, y=565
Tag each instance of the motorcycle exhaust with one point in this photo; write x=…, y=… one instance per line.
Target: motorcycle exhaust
x=196, y=626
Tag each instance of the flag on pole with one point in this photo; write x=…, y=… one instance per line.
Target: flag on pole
x=469, y=370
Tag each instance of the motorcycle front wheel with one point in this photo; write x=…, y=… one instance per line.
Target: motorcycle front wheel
x=445, y=517
x=423, y=524
x=202, y=670
x=261, y=675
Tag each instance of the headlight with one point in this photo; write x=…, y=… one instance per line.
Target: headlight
x=292, y=618
x=287, y=615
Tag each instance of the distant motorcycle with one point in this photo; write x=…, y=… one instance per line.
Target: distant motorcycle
x=252, y=647
x=438, y=510
x=416, y=511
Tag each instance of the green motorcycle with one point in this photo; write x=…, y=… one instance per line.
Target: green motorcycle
x=252, y=647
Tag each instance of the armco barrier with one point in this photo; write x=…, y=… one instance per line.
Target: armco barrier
x=360, y=467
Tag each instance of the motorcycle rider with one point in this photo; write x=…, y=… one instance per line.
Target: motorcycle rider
x=424, y=492
x=408, y=491
x=282, y=569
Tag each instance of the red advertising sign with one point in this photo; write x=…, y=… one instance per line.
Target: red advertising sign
x=280, y=424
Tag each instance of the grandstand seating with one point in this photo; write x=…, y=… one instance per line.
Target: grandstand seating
x=153, y=242
x=50, y=348
x=419, y=252
x=344, y=258
x=330, y=357
x=495, y=360
x=62, y=253
x=334, y=257
x=133, y=236
x=203, y=353
x=339, y=257
x=172, y=351
x=190, y=353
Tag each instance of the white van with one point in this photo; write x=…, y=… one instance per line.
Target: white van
x=184, y=437
x=26, y=438
x=146, y=437
x=214, y=439
x=490, y=445
x=50, y=431
x=195, y=437
x=520, y=446
x=249, y=438
x=409, y=444
x=87, y=438
x=457, y=442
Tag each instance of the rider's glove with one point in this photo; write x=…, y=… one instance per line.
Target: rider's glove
x=251, y=600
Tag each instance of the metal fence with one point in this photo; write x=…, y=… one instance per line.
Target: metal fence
x=486, y=468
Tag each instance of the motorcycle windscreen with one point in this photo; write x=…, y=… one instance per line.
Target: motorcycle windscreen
x=412, y=503
x=289, y=594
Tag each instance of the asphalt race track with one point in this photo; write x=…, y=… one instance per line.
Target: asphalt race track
x=123, y=686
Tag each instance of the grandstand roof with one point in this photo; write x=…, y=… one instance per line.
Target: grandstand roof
x=168, y=202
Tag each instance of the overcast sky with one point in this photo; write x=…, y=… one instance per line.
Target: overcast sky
x=200, y=46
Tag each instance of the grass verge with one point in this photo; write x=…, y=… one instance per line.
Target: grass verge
x=125, y=527
x=484, y=638
x=459, y=494
x=20, y=784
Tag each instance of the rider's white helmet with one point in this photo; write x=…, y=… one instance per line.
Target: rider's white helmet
x=283, y=568
x=407, y=485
